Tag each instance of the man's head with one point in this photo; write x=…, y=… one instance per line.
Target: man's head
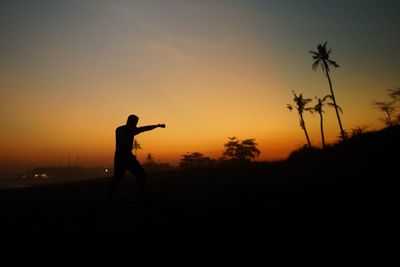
x=132, y=121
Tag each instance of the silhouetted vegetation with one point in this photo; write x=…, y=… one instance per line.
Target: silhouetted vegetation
x=151, y=165
x=136, y=146
x=322, y=58
x=358, y=130
x=388, y=108
x=195, y=160
x=240, y=151
x=236, y=153
x=300, y=106
x=361, y=150
x=319, y=109
x=394, y=93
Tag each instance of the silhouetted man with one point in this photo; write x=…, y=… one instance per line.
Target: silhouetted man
x=124, y=159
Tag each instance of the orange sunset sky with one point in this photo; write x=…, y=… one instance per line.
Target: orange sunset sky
x=72, y=71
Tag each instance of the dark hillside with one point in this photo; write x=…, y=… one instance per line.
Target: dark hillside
x=372, y=151
x=331, y=205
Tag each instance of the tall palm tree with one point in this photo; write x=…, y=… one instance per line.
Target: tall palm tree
x=301, y=107
x=319, y=109
x=322, y=59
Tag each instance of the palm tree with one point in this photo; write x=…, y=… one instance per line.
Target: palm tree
x=322, y=59
x=301, y=107
x=319, y=108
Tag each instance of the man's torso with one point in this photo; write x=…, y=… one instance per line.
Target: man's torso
x=124, y=140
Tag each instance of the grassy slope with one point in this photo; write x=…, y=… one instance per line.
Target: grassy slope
x=326, y=205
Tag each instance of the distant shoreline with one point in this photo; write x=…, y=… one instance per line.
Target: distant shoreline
x=13, y=186
x=16, y=183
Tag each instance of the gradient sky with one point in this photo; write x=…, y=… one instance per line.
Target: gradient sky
x=72, y=71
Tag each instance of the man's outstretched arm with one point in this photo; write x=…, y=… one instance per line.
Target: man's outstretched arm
x=149, y=128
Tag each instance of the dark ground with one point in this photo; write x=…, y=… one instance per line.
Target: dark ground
x=330, y=209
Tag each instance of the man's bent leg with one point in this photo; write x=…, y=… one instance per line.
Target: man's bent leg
x=119, y=171
x=137, y=170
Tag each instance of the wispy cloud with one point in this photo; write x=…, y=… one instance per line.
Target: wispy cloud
x=156, y=38
x=168, y=50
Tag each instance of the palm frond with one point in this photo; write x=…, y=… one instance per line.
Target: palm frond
x=311, y=110
x=318, y=106
x=324, y=67
x=323, y=55
x=335, y=106
x=331, y=104
x=327, y=97
x=333, y=63
x=315, y=65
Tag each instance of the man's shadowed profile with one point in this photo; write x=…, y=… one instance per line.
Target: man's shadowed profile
x=124, y=159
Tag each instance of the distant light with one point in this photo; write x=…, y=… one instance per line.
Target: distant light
x=106, y=170
x=41, y=175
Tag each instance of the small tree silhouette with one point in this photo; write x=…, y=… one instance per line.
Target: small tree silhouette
x=322, y=59
x=394, y=93
x=241, y=151
x=152, y=166
x=358, y=130
x=149, y=158
x=136, y=146
x=301, y=107
x=195, y=160
x=388, y=107
x=319, y=109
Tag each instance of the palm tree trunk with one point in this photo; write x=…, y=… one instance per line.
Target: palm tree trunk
x=334, y=102
x=389, y=119
x=322, y=130
x=303, y=125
